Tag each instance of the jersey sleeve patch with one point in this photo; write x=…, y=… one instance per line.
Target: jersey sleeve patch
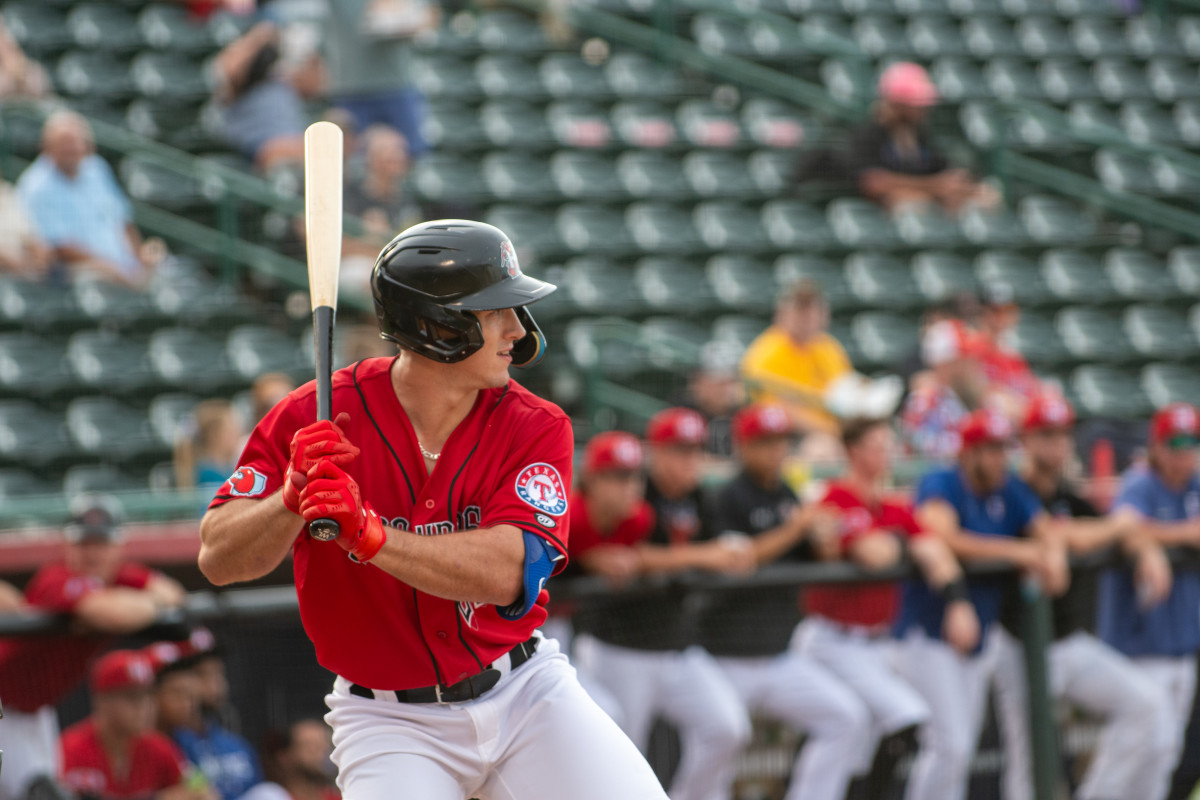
x=540, y=486
x=245, y=482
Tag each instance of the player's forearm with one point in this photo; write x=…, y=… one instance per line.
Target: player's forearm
x=773, y=543
x=973, y=547
x=478, y=566
x=166, y=591
x=1173, y=534
x=1084, y=535
x=245, y=539
x=117, y=610
x=934, y=561
x=656, y=559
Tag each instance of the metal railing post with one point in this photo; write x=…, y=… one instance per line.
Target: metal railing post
x=1036, y=636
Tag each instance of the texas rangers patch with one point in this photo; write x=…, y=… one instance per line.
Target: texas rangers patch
x=246, y=482
x=541, y=486
x=508, y=260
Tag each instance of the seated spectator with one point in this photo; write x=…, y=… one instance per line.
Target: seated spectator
x=894, y=157
x=298, y=759
x=105, y=597
x=20, y=77
x=941, y=396
x=208, y=456
x=1011, y=383
x=80, y=210
x=114, y=753
x=263, y=111
x=22, y=251
x=267, y=390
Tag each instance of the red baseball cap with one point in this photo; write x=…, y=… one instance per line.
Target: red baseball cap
x=762, y=419
x=1048, y=411
x=166, y=656
x=984, y=426
x=613, y=451
x=1176, y=425
x=121, y=669
x=677, y=426
x=908, y=84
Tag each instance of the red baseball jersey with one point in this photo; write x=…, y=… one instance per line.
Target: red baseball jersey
x=39, y=671
x=507, y=463
x=868, y=604
x=154, y=764
x=634, y=529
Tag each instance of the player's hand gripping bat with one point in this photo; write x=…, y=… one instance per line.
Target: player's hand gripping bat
x=323, y=231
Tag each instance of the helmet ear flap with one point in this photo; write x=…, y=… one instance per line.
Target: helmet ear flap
x=530, y=348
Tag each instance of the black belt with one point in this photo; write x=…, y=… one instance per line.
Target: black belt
x=468, y=688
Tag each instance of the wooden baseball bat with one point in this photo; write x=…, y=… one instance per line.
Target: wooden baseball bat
x=323, y=233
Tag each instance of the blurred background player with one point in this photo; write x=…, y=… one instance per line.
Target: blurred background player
x=639, y=648
x=847, y=629
x=1161, y=639
x=105, y=597
x=748, y=630
x=115, y=753
x=983, y=513
x=1134, y=750
x=298, y=759
x=676, y=438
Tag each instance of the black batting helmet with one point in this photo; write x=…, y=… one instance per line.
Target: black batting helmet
x=429, y=278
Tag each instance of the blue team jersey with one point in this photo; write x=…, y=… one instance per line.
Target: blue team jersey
x=1006, y=512
x=1169, y=629
x=226, y=759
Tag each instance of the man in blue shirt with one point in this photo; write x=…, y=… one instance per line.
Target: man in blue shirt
x=984, y=513
x=78, y=207
x=1162, y=640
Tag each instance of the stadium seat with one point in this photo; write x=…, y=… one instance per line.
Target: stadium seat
x=829, y=276
x=662, y=228
x=846, y=82
x=880, y=280
x=729, y=225
x=794, y=225
x=737, y=331
x=1094, y=334
x=166, y=26
x=827, y=26
x=942, y=275
x=1172, y=80
x=579, y=124
x=18, y=484
x=881, y=38
x=706, y=124
x=513, y=124
x=741, y=283
x=1091, y=117
x=530, y=230
x=1138, y=275
x=1066, y=80
x=1008, y=78
x=38, y=28
x=186, y=359
x=1183, y=263
x=32, y=436
x=772, y=171
x=514, y=176
x=989, y=37
x=934, y=36
x=1043, y=37
x=586, y=228
x=105, y=478
x=105, y=27
x=1037, y=339
x=449, y=178
x=599, y=286
x=1170, y=383
x=507, y=31
x=644, y=124
x=673, y=286
x=650, y=174
x=776, y=44
x=1145, y=122
x=717, y=174
x=581, y=174
x=671, y=342
x=38, y=306
x=1103, y=391
x=883, y=339
x=632, y=75
x=858, y=8
x=1070, y=9
x=972, y=8
x=1119, y=80
x=861, y=224
x=1095, y=38
x=168, y=416
x=1050, y=220
x=1014, y=273
x=994, y=228
x=1075, y=276
x=451, y=125
x=32, y=365
x=611, y=346
x=157, y=185
x=803, y=8
x=922, y=8
x=566, y=76
x=107, y=428
x=97, y=75
x=105, y=361
x=1125, y=172
x=927, y=227
x=720, y=35
x=447, y=76
x=256, y=349
x=959, y=80
x=1186, y=120
x=169, y=77
x=1159, y=334
x=509, y=76
x=110, y=305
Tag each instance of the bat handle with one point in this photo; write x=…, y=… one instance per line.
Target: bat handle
x=325, y=530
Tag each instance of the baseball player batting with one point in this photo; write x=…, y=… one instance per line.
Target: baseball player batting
x=449, y=482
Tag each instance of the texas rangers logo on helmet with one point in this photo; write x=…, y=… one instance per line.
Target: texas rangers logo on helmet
x=540, y=486
x=508, y=260
x=246, y=482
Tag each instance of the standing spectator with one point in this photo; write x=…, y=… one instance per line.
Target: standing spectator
x=941, y=397
x=984, y=514
x=115, y=753
x=298, y=760
x=1134, y=753
x=369, y=55
x=637, y=648
x=105, y=597
x=894, y=158
x=847, y=629
x=749, y=630
x=80, y=210
x=794, y=361
x=1162, y=640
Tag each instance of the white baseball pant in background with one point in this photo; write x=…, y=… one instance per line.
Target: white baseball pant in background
x=1134, y=755
x=1177, y=676
x=30, y=746
x=955, y=689
x=536, y=736
x=795, y=689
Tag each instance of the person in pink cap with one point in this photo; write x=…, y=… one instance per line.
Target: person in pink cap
x=893, y=157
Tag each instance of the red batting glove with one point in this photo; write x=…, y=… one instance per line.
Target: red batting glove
x=321, y=440
x=332, y=494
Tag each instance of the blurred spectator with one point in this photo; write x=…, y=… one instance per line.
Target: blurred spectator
x=22, y=251
x=105, y=597
x=263, y=109
x=80, y=210
x=298, y=759
x=1011, y=383
x=115, y=753
x=750, y=630
x=1162, y=640
x=369, y=54
x=894, y=157
x=941, y=397
x=20, y=77
x=983, y=513
x=1134, y=752
x=207, y=455
x=847, y=629
x=267, y=390
x=11, y=598
x=381, y=201
x=795, y=360
x=715, y=390
x=636, y=647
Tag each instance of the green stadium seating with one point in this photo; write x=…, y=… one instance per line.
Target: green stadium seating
x=1092, y=117
x=1086, y=8
x=506, y=31
x=989, y=37
x=256, y=349
x=110, y=304
x=1145, y=122
x=1095, y=38
x=729, y=225
x=530, y=228
x=773, y=123
x=662, y=228
x=448, y=177
x=1065, y=80
x=927, y=227
x=565, y=76
x=1159, y=334
x=1170, y=383
x=722, y=35
x=104, y=478
x=168, y=415
x=1186, y=119
x=959, y=80
x=1094, y=334
x=881, y=280
x=738, y=330
x=1152, y=37
x=706, y=124
x=998, y=228
x=1043, y=37
x=795, y=225
x=599, y=286
x=167, y=27
x=610, y=345
x=1183, y=263
x=186, y=359
x=512, y=124
x=451, y=125
x=38, y=307
x=672, y=343
x=741, y=283
x=32, y=365
x=931, y=37
x=104, y=361
x=509, y=76
x=169, y=77
x=579, y=124
x=1037, y=338
x=102, y=427
x=1008, y=78
x=17, y=484
x=650, y=174
x=1075, y=276
x=771, y=171
x=448, y=76
x=883, y=339
x=860, y=224
x=104, y=26
x=718, y=174
x=152, y=183
x=514, y=176
x=1139, y=275
x=38, y=27
x=581, y=174
x=914, y=8
x=31, y=436
x=882, y=38
x=1171, y=80
x=1119, y=80
x=942, y=275
x=644, y=124
x=828, y=275
x=1050, y=220
x=586, y=228
x=98, y=75
x=1105, y=391
x=1124, y=172
x=673, y=286
x=635, y=76
x=1015, y=273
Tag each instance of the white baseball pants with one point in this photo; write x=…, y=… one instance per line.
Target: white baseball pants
x=1135, y=753
x=30, y=745
x=955, y=689
x=686, y=688
x=1177, y=676
x=535, y=736
x=797, y=690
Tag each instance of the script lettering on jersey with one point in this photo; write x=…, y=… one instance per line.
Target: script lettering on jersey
x=468, y=519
